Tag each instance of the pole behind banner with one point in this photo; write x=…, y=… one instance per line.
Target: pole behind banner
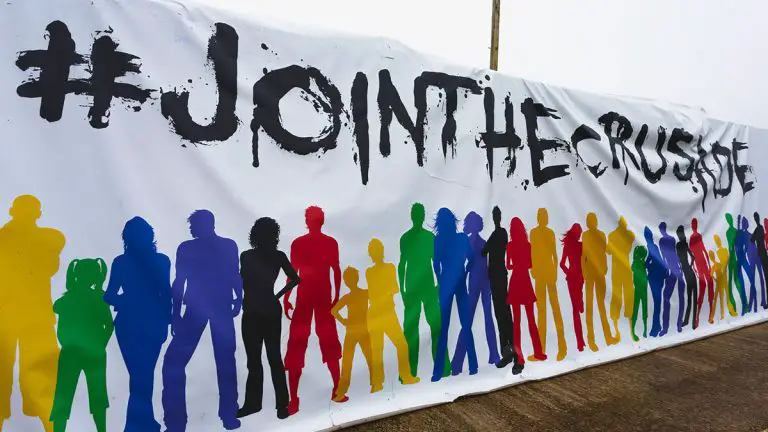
x=495, y=35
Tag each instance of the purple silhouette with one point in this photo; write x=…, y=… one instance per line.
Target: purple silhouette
x=667, y=244
x=208, y=283
x=479, y=286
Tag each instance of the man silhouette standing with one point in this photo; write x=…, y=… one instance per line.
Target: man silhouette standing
x=758, y=238
x=208, y=282
x=730, y=235
x=495, y=249
x=595, y=266
x=29, y=257
x=314, y=255
x=620, y=243
x=418, y=288
x=667, y=245
x=544, y=265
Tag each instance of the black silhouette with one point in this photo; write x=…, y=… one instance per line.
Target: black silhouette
x=686, y=258
x=495, y=249
x=758, y=238
x=262, y=314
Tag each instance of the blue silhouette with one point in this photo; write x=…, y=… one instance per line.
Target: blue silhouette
x=208, y=283
x=657, y=274
x=139, y=290
x=667, y=244
x=746, y=260
x=479, y=286
x=453, y=256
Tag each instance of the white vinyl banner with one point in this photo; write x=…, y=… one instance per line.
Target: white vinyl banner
x=216, y=224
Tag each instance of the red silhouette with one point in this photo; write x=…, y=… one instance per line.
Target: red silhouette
x=703, y=270
x=520, y=287
x=572, y=250
x=313, y=255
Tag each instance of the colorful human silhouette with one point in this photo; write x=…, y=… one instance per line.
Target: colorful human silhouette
x=262, y=314
x=139, y=289
x=686, y=258
x=730, y=235
x=544, y=265
x=657, y=274
x=479, y=287
x=496, y=250
x=619, y=247
x=382, y=318
x=452, y=259
x=521, y=289
x=667, y=245
x=747, y=261
x=418, y=289
x=724, y=261
x=570, y=263
x=314, y=256
x=356, y=322
x=84, y=329
x=209, y=286
x=721, y=281
x=758, y=239
x=594, y=264
x=29, y=257
x=703, y=265
x=640, y=280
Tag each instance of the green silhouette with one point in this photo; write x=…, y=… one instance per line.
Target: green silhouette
x=730, y=235
x=640, y=281
x=85, y=326
x=417, y=286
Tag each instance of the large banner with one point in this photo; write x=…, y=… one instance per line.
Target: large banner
x=216, y=224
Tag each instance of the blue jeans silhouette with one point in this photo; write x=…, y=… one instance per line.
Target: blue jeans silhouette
x=180, y=351
x=447, y=294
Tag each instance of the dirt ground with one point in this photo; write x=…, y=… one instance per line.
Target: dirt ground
x=716, y=384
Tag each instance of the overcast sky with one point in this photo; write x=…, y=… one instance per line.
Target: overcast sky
x=705, y=53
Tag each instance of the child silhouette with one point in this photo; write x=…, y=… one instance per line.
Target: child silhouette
x=85, y=327
x=356, y=322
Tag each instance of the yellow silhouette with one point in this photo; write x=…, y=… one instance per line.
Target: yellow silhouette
x=29, y=257
x=544, y=271
x=356, y=322
x=620, y=243
x=721, y=279
x=595, y=265
x=382, y=319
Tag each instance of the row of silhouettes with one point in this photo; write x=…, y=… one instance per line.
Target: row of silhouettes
x=212, y=282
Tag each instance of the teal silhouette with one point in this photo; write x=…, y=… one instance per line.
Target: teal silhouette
x=731, y=234
x=85, y=327
x=640, y=281
x=418, y=288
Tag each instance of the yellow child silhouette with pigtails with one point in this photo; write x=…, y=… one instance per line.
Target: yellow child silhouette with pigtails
x=356, y=322
x=620, y=243
x=29, y=257
x=382, y=319
x=544, y=266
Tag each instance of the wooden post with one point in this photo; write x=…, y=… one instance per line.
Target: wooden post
x=495, y=35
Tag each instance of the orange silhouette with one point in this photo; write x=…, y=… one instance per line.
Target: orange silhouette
x=29, y=257
x=356, y=322
x=382, y=319
x=620, y=243
x=595, y=266
x=544, y=265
